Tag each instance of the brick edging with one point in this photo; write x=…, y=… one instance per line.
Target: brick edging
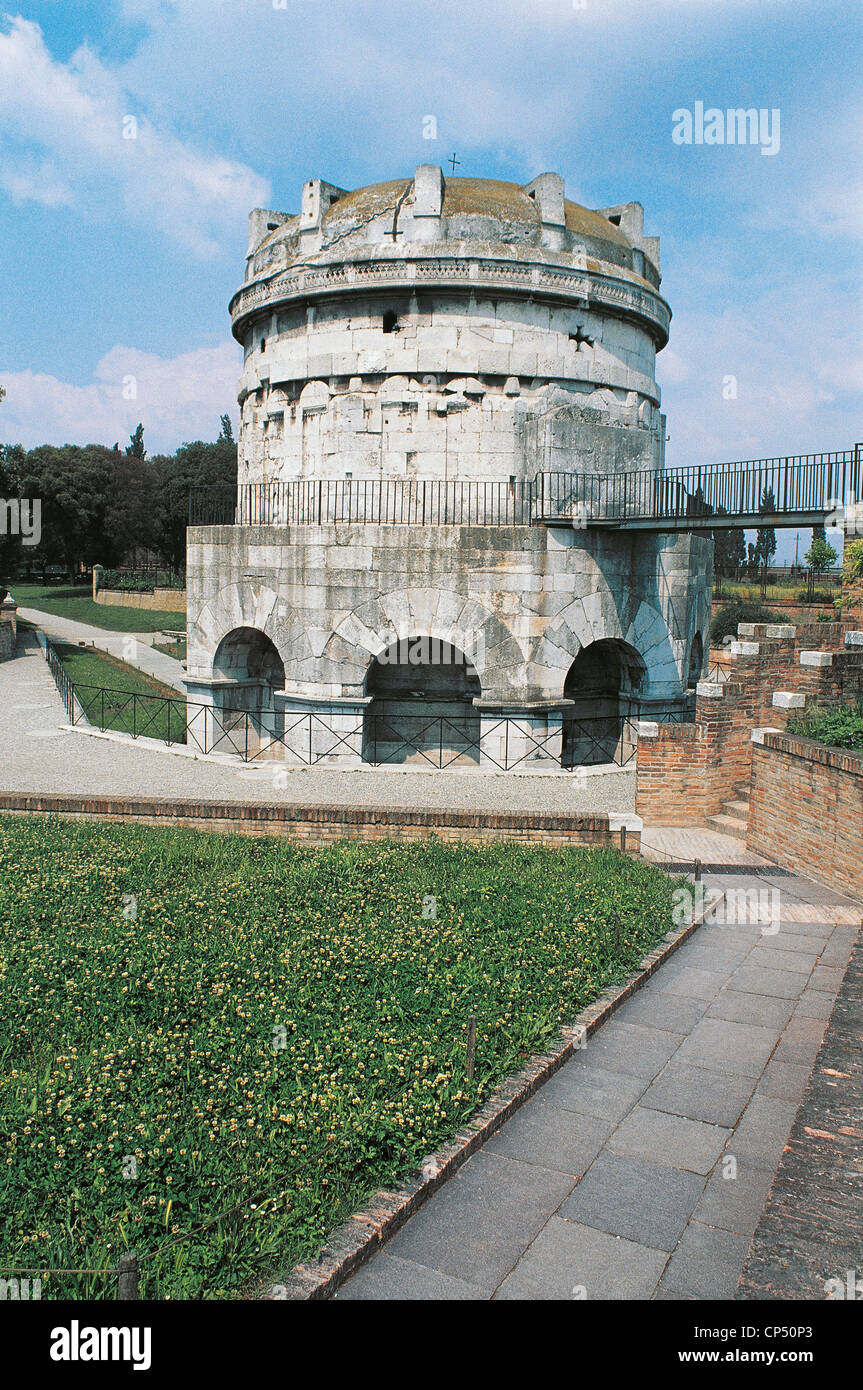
x=355, y=1241
x=168, y=809
x=845, y=759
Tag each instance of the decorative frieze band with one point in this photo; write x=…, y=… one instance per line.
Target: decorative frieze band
x=576, y=284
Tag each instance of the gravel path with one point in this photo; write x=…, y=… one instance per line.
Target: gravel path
x=37, y=755
x=132, y=647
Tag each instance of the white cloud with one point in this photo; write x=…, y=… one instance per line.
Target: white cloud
x=797, y=370
x=177, y=399
x=64, y=143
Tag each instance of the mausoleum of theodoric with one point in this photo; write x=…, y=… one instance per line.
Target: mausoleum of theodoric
x=445, y=382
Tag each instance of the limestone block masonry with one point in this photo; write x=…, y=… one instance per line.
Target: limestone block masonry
x=447, y=331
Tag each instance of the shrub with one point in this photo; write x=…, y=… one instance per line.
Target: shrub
x=725, y=622
x=852, y=561
x=838, y=728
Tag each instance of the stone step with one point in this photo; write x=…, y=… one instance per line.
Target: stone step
x=729, y=825
x=739, y=808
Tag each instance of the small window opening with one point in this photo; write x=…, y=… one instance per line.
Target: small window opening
x=391, y=320
x=615, y=219
x=263, y=344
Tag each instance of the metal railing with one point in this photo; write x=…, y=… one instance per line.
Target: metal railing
x=777, y=491
x=377, y=740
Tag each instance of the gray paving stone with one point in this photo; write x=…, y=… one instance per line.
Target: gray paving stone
x=782, y=984
x=566, y=1258
x=801, y=1040
x=763, y=1129
x=670, y=1139
x=675, y=1013
x=826, y=977
x=735, y=1203
x=589, y=1089
x=710, y=956
x=772, y=958
x=634, y=1198
x=762, y=1010
x=698, y=1093
x=544, y=1133
x=784, y=1081
x=722, y=1045
x=837, y=953
x=707, y=1262
x=481, y=1221
x=790, y=937
x=688, y=981
x=815, y=1003
x=389, y=1278
x=632, y=1048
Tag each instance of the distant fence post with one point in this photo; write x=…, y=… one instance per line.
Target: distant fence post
x=127, y=1272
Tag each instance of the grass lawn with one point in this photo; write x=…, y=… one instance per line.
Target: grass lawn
x=750, y=592
x=175, y=648
x=76, y=603
x=146, y=713
x=246, y=1023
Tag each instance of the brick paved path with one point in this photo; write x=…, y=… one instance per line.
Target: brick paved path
x=615, y=1177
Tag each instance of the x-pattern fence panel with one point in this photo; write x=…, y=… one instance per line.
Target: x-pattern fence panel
x=309, y=739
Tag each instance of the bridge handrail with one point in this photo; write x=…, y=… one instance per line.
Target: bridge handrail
x=800, y=483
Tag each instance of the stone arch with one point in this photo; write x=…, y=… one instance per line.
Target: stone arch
x=604, y=683
x=422, y=706
x=465, y=623
x=234, y=606
x=248, y=654
x=247, y=673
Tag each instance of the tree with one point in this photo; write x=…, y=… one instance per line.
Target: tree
x=729, y=550
x=729, y=547
x=765, y=539
x=227, y=430
x=73, y=483
x=820, y=555
x=198, y=464
x=135, y=448
x=131, y=507
x=11, y=458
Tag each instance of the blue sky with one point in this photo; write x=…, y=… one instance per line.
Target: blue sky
x=119, y=255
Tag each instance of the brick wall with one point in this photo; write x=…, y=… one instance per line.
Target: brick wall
x=806, y=810
x=684, y=773
x=320, y=825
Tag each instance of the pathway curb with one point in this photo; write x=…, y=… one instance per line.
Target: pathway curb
x=356, y=1240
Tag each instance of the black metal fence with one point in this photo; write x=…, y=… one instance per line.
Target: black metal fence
x=772, y=491
x=308, y=739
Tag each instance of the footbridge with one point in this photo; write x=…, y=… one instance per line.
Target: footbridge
x=798, y=490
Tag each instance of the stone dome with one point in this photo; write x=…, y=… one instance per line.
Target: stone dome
x=437, y=215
